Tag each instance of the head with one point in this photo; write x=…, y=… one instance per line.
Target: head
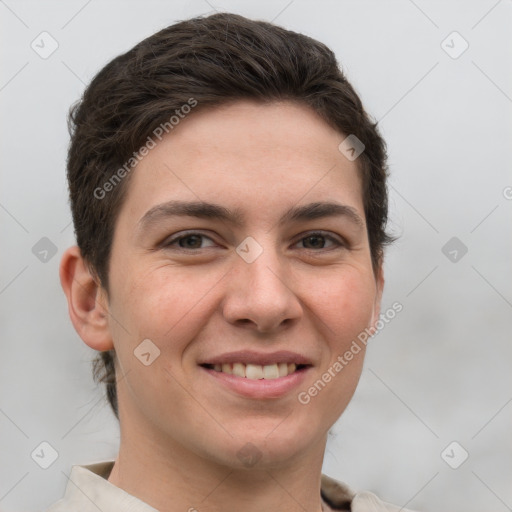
x=247, y=117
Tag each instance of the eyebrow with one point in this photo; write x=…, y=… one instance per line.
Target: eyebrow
x=211, y=211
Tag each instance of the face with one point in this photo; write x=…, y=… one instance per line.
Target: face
x=241, y=252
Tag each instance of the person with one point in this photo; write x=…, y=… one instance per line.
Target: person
x=229, y=199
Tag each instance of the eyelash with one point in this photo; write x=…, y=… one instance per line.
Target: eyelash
x=338, y=243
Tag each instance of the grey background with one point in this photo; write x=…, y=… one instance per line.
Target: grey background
x=439, y=372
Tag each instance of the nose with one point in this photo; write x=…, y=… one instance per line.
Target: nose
x=261, y=295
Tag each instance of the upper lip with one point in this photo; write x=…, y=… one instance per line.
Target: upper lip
x=251, y=357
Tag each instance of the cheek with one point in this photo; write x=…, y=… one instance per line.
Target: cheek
x=152, y=306
x=344, y=306
x=163, y=305
x=345, y=302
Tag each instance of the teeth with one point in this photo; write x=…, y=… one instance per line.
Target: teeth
x=271, y=371
x=239, y=369
x=257, y=371
x=254, y=371
x=283, y=369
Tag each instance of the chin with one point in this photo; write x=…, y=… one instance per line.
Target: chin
x=272, y=445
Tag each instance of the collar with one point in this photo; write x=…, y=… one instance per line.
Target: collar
x=88, y=490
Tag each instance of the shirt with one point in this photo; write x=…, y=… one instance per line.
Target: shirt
x=88, y=490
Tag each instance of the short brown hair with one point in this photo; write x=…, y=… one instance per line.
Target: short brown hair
x=214, y=60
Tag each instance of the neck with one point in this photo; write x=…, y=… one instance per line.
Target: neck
x=171, y=478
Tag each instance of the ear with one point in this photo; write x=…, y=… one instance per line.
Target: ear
x=379, y=288
x=87, y=301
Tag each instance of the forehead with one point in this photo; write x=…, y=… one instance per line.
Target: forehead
x=250, y=155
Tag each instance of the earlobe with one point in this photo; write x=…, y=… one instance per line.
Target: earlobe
x=87, y=301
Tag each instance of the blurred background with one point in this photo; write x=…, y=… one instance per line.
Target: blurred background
x=429, y=426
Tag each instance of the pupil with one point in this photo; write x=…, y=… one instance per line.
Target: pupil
x=316, y=240
x=191, y=242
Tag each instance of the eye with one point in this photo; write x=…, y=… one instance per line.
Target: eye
x=195, y=241
x=319, y=241
x=189, y=241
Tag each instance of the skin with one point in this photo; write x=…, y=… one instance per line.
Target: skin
x=181, y=430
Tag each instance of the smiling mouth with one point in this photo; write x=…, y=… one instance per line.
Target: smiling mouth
x=256, y=371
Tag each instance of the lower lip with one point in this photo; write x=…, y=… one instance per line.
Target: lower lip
x=260, y=388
